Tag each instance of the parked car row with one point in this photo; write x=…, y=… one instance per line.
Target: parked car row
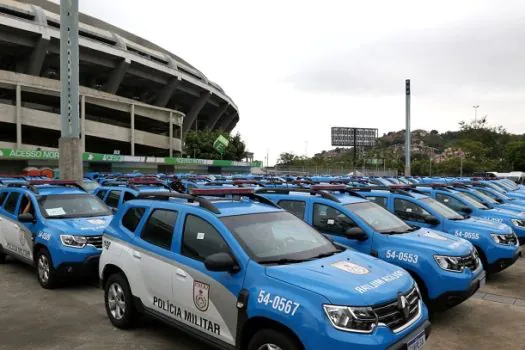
x=268, y=263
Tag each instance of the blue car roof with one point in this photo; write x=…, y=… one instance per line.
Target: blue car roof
x=49, y=190
x=415, y=195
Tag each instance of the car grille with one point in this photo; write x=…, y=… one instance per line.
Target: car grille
x=392, y=314
x=95, y=241
x=470, y=261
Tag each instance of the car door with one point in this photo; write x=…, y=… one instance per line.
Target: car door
x=209, y=298
x=153, y=256
x=411, y=212
x=17, y=237
x=336, y=224
x=113, y=199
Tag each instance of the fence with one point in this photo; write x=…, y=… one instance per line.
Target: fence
x=333, y=171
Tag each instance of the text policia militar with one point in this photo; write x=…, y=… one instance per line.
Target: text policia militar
x=187, y=316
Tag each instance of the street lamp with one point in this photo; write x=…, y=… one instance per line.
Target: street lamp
x=475, y=115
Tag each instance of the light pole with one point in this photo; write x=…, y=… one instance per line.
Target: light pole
x=475, y=115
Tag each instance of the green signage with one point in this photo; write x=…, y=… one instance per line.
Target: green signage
x=7, y=153
x=220, y=144
x=27, y=154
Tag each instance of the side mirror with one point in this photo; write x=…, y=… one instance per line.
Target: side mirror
x=431, y=220
x=221, y=262
x=356, y=233
x=466, y=210
x=114, y=210
x=26, y=217
x=499, y=200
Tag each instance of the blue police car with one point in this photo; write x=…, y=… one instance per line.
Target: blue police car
x=239, y=272
x=466, y=205
x=116, y=193
x=447, y=268
x=496, y=243
x=54, y=225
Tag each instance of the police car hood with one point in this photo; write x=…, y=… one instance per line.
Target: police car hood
x=481, y=225
x=91, y=226
x=347, y=278
x=432, y=241
x=502, y=213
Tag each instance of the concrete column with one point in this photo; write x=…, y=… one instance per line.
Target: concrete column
x=226, y=121
x=170, y=134
x=83, y=123
x=133, y=129
x=18, y=116
x=194, y=111
x=212, y=122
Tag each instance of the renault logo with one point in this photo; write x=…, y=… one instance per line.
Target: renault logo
x=402, y=305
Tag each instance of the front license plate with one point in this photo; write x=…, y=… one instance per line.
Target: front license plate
x=418, y=342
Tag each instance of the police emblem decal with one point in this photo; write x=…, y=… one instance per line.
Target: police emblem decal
x=351, y=267
x=201, y=295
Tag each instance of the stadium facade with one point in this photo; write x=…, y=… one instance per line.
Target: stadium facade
x=136, y=97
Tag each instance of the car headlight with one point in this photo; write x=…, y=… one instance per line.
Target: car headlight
x=73, y=241
x=449, y=263
x=518, y=222
x=502, y=239
x=351, y=319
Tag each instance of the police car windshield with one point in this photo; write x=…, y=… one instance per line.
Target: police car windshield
x=278, y=237
x=471, y=201
x=496, y=188
x=482, y=196
x=441, y=209
x=66, y=206
x=90, y=186
x=381, y=220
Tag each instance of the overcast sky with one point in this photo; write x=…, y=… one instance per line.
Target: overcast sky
x=296, y=68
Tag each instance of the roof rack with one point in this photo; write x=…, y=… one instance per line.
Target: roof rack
x=196, y=196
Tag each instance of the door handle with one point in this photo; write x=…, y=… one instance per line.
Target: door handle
x=137, y=255
x=181, y=273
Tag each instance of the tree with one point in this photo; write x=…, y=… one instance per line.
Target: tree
x=199, y=144
x=287, y=158
x=515, y=155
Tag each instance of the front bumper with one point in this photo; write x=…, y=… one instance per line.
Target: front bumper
x=403, y=343
x=453, y=298
x=501, y=264
x=86, y=268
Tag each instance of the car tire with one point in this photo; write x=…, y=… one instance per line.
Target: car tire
x=45, y=272
x=119, y=302
x=269, y=339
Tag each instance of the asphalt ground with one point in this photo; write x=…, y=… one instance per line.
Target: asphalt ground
x=74, y=317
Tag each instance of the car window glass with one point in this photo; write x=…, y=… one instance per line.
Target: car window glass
x=330, y=220
x=128, y=196
x=450, y=202
x=158, y=230
x=131, y=219
x=297, y=208
x=26, y=206
x=200, y=239
x=3, y=196
x=101, y=194
x=381, y=201
x=407, y=210
x=113, y=199
x=10, y=203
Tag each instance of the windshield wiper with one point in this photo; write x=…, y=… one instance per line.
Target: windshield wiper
x=282, y=261
x=325, y=255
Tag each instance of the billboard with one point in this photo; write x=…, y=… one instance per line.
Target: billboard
x=350, y=137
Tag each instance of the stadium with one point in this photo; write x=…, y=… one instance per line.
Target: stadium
x=136, y=98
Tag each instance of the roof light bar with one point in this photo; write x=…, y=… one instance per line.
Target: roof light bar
x=400, y=187
x=245, y=182
x=221, y=191
x=144, y=181
x=53, y=182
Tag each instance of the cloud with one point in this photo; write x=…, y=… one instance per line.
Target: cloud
x=481, y=55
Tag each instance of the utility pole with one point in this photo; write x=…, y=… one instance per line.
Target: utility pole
x=475, y=115
x=70, y=160
x=407, y=137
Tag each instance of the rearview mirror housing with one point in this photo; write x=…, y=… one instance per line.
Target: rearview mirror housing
x=27, y=218
x=221, y=262
x=356, y=233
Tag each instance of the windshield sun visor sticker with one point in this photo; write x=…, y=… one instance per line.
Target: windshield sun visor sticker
x=55, y=211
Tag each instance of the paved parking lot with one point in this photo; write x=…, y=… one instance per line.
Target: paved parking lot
x=74, y=318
